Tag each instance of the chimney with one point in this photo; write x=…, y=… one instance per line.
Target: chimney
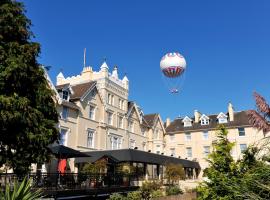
x=231, y=112
x=168, y=122
x=197, y=116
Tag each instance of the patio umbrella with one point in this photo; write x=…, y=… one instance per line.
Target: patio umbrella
x=62, y=151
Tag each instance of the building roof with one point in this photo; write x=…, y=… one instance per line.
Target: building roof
x=132, y=155
x=80, y=89
x=59, y=87
x=150, y=119
x=70, y=105
x=240, y=120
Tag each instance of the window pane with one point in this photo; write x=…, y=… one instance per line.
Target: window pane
x=206, y=150
x=241, y=131
x=243, y=147
x=189, y=152
x=92, y=112
x=63, y=137
x=188, y=136
x=205, y=135
x=90, y=138
x=65, y=112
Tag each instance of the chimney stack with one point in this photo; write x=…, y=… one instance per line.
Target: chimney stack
x=197, y=116
x=231, y=112
x=168, y=122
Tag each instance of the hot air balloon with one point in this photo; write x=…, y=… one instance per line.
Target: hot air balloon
x=173, y=66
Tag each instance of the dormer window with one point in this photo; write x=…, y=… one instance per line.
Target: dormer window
x=222, y=118
x=65, y=95
x=187, y=122
x=204, y=120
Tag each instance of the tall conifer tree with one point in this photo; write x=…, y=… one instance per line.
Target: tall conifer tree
x=28, y=114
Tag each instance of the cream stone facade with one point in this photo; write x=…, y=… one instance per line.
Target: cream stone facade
x=96, y=114
x=193, y=138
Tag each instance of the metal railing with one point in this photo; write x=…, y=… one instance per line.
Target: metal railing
x=60, y=181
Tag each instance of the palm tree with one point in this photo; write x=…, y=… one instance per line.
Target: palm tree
x=260, y=118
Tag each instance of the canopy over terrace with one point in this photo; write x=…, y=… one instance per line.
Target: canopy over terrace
x=152, y=163
x=136, y=156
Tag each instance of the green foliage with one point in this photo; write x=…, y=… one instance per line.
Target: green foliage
x=22, y=191
x=97, y=167
x=28, y=114
x=117, y=196
x=125, y=168
x=157, y=193
x=174, y=173
x=173, y=190
x=222, y=171
x=134, y=195
x=249, y=178
x=148, y=188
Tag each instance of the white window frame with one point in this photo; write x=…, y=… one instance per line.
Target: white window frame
x=144, y=146
x=241, y=131
x=110, y=119
x=158, y=149
x=241, y=145
x=206, y=150
x=205, y=138
x=132, y=144
x=143, y=131
x=131, y=126
x=156, y=134
x=118, y=142
x=172, y=152
x=172, y=137
x=65, y=137
x=188, y=136
x=65, y=116
x=189, y=152
x=204, y=121
x=66, y=95
x=92, y=145
x=120, y=122
x=93, y=115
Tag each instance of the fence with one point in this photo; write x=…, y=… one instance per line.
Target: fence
x=60, y=181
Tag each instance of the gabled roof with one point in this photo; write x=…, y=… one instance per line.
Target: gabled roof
x=150, y=119
x=60, y=87
x=80, y=89
x=132, y=105
x=204, y=117
x=222, y=115
x=187, y=119
x=240, y=120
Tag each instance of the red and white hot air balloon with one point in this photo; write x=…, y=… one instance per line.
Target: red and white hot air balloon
x=173, y=66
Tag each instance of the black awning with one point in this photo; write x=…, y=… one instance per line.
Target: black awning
x=61, y=151
x=132, y=155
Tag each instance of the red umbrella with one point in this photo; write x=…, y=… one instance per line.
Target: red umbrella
x=62, y=165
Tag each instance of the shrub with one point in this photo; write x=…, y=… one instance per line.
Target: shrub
x=173, y=190
x=148, y=188
x=157, y=193
x=174, y=173
x=134, y=195
x=20, y=191
x=117, y=196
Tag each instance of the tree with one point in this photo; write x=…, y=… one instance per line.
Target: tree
x=260, y=118
x=28, y=114
x=174, y=173
x=222, y=171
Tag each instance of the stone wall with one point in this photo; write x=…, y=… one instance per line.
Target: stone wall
x=187, y=196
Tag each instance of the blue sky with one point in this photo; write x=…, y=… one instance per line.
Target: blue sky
x=226, y=44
